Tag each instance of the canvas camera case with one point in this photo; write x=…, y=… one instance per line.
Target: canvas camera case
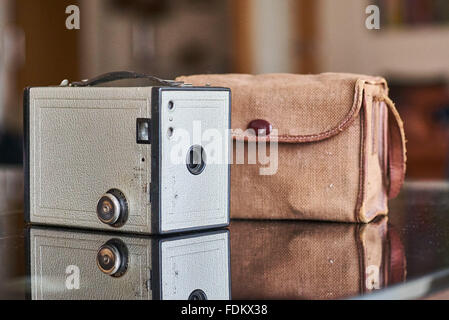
x=340, y=145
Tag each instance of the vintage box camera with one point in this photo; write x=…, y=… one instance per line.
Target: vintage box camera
x=81, y=265
x=146, y=159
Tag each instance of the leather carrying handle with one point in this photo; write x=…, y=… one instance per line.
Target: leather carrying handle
x=124, y=75
x=396, y=149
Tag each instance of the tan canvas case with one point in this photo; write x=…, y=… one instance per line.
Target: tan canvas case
x=341, y=145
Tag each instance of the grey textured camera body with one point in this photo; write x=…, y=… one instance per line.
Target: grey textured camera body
x=103, y=157
x=66, y=265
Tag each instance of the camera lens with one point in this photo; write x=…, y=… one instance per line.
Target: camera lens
x=112, y=208
x=198, y=294
x=108, y=209
x=112, y=258
x=196, y=159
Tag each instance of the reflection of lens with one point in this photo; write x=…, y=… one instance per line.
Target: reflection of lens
x=198, y=294
x=108, y=259
x=196, y=159
x=112, y=258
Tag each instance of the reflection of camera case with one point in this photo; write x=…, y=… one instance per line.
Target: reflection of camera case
x=101, y=151
x=64, y=265
x=309, y=260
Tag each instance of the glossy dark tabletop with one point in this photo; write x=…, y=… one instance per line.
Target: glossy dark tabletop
x=403, y=256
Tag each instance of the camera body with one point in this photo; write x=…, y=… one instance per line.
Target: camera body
x=79, y=265
x=134, y=159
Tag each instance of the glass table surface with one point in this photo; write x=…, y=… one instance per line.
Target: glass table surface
x=402, y=256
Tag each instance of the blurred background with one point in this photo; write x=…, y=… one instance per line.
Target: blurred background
x=167, y=38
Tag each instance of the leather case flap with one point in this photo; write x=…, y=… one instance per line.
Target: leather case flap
x=300, y=108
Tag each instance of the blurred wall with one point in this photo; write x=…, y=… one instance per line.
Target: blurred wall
x=345, y=45
x=11, y=57
x=165, y=39
x=272, y=34
x=51, y=52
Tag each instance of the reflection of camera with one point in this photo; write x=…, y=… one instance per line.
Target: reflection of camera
x=127, y=158
x=68, y=264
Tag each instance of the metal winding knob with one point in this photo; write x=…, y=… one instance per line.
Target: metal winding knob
x=112, y=208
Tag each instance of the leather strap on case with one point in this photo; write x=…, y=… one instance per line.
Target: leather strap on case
x=123, y=75
x=396, y=149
